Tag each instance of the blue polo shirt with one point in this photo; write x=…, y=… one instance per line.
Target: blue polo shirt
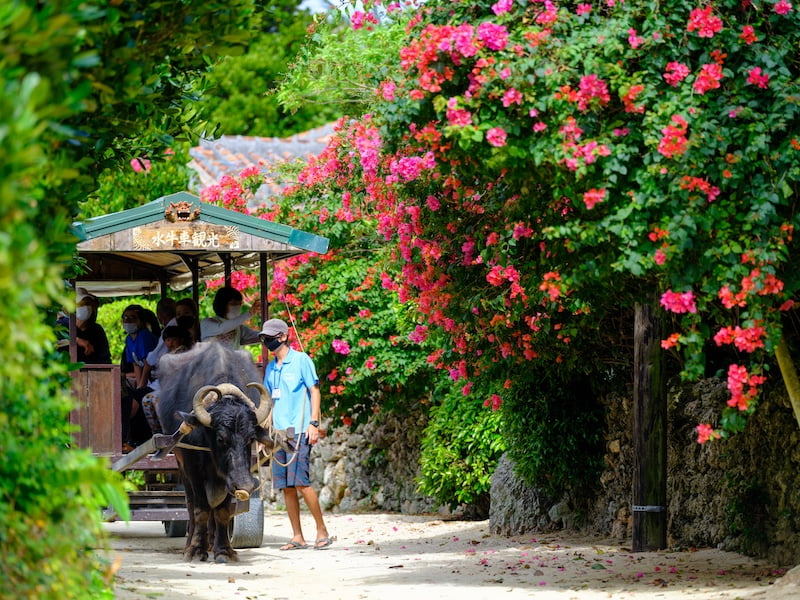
x=294, y=378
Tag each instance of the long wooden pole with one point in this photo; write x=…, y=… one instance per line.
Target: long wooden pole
x=789, y=375
x=649, y=434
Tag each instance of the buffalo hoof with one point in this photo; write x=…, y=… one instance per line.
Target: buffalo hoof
x=226, y=556
x=193, y=553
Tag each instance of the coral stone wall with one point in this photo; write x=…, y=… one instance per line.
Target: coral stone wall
x=740, y=494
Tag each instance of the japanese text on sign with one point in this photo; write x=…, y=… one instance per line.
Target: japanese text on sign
x=189, y=237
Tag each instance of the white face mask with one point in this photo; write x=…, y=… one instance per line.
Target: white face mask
x=234, y=312
x=82, y=313
x=130, y=327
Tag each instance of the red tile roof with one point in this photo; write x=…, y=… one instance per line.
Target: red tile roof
x=230, y=154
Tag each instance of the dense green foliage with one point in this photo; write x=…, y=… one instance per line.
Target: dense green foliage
x=83, y=86
x=460, y=449
x=140, y=181
x=556, y=424
x=241, y=98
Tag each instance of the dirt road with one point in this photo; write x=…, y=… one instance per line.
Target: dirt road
x=382, y=556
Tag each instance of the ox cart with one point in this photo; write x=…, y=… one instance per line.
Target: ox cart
x=166, y=246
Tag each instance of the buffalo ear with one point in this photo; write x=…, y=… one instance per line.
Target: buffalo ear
x=189, y=419
x=262, y=435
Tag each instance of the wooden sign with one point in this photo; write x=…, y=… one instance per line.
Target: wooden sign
x=185, y=235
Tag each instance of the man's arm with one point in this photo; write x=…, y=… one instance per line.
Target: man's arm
x=316, y=397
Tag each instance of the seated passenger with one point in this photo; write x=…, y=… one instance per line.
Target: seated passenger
x=138, y=344
x=228, y=326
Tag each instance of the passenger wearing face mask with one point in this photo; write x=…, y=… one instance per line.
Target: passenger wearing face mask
x=228, y=326
x=139, y=342
x=90, y=338
x=166, y=315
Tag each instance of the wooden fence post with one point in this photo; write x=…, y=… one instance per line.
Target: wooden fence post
x=649, y=434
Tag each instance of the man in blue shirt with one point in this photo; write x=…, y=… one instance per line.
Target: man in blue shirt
x=292, y=381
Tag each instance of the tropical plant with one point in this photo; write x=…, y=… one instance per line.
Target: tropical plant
x=83, y=86
x=542, y=168
x=241, y=99
x=140, y=181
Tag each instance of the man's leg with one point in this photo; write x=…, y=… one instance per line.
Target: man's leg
x=312, y=502
x=292, y=502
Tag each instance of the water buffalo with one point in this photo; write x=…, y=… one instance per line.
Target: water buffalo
x=214, y=395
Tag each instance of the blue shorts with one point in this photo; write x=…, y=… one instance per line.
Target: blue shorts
x=296, y=474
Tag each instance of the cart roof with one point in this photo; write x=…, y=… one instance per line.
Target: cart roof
x=137, y=250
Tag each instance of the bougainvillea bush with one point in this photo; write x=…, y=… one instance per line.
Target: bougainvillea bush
x=542, y=167
x=344, y=317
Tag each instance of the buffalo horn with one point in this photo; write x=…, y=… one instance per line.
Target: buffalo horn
x=199, y=404
x=265, y=406
x=233, y=390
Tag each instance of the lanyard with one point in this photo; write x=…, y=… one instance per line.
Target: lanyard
x=276, y=376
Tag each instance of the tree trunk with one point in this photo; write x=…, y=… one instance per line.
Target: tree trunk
x=649, y=434
x=789, y=374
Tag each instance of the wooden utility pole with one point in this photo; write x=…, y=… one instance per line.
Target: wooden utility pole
x=649, y=434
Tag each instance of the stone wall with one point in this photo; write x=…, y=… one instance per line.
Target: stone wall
x=740, y=494
x=373, y=468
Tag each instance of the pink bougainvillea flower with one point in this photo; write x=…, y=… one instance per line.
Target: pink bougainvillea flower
x=633, y=39
x=698, y=183
x=705, y=23
x=660, y=257
x=340, y=346
x=549, y=14
x=583, y=9
x=591, y=86
x=420, y=334
x=674, y=142
x=496, y=137
x=748, y=35
x=675, y=73
x=502, y=6
x=495, y=402
x=783, y=7
x=512, y=96
x=747, y=339
x=494, y=36
x=708, y=79
x=593, y=196
x=704, y=433
x=679, y=302
x=743, y=386
x=388, y=89
x=457, y=117
x=755, y=77
x=140, y=164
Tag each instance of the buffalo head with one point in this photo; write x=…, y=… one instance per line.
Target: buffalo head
x=233, y=422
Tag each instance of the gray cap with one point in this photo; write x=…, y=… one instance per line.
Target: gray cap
x=274, y=327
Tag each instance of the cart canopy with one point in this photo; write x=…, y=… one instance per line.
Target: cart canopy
x=175, y=241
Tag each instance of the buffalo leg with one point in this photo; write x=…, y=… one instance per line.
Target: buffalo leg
x=223, y=550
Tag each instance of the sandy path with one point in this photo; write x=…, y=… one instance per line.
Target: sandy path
x=380, y=556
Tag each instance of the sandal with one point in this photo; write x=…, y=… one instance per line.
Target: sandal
x=323, y=543
x=294, y=546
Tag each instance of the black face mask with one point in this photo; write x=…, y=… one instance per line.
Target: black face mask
x=272, y=344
